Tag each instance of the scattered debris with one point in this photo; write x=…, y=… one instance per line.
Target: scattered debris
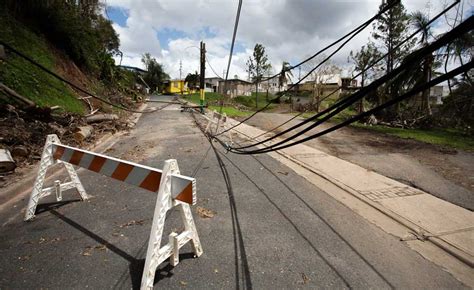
x=7, y=164
x=133, y=223
x=304, y=278
x=83, y=132
x=20, y=151
x=101, y=118
x=101, y=247
x=24, y=258
x=23, y=131
x=204, y=212
x=183, y=283
x=87, y=251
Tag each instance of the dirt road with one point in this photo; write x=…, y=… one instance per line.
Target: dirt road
x=445, y=173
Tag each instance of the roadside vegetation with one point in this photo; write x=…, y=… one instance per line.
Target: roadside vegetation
x=240, y=106
x=27, y=79
x=70, y=38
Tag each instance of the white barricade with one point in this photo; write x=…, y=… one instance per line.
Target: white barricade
x=220, y=123
x=173, y=190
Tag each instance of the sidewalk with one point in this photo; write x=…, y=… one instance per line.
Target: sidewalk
x=428, y=218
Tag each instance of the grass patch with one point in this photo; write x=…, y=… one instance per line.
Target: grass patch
x=231, y=111
x=209, y=98
x=24, y=77
x=438, y=136
x=249, y=101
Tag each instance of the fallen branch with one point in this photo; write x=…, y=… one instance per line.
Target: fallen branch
x=83, y=133
x=101, y=118
x=18, y=97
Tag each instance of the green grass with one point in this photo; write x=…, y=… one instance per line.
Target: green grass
x=439, y=136
x=231, y=111
x=24, y=77
x=209, y=98
x=212, y=100
x=249, y=101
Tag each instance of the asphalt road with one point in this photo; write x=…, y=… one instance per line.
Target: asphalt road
x=271, y=228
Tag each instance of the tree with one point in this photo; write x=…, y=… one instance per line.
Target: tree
x=320, y=77
x=155, y=74
x=420, y=21
x=364, y=61
x=285, y=74
x=390, y=30
x=258, y=66
x=192, y=80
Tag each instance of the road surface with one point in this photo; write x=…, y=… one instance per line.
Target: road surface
x=271, y=228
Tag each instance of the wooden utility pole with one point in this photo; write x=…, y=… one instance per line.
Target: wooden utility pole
x=202, y=76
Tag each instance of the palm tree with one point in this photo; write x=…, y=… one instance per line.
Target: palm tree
x=285, y=74
x=420, y=21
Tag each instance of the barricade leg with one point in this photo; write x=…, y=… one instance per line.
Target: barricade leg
x=38, y=191
x=46, y=161
x=190, y=227
x=155, y=253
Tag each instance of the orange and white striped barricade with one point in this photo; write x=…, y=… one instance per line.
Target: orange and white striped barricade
x=219, y=121
x=173, y=190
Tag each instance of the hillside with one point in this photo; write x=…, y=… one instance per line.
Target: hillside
x=76, y=50
x=27, y=79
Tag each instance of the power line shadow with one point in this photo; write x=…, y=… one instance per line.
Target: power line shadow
x=239, y=246
x=346, y=283
x=321, y=218
x=135, y=265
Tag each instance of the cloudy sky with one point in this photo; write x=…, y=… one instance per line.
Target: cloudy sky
x=290, y=30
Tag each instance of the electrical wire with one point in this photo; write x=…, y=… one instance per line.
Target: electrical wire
x=440, y=79
x=234, y=35
x=464, y=27
x=360, y=73
x=350, y=34
x=43, y=68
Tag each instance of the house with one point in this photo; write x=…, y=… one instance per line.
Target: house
x=334, y=85
x=212, y=84
x=272, y=85
x=236, y=87
x=175, y=87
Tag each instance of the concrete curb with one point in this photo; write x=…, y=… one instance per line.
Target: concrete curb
x=418, y=232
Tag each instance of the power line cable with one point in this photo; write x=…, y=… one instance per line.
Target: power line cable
x=43, y=68
x=355, y=31
x=333, y=92
x=234, y=35
x=464, y=68
x=464, y=27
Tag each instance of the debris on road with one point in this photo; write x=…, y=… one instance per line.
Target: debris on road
x=133, y=223
x=204, y=212
x=23, y=131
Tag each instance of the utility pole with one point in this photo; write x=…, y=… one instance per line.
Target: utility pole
x=181, y=84
x=202, y=75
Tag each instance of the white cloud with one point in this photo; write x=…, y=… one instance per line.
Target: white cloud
x=289, y=29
